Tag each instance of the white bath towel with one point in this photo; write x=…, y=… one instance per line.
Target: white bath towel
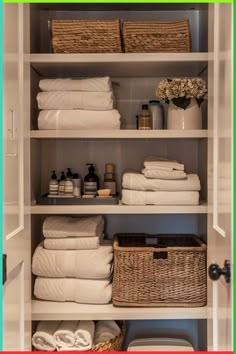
x=101, y=84
x=131, y=197
x=163, y=174
x=83, y=291
x=160, y=162
x=43, y=337
x=139, y=182
x=79, y=119
x=65, y=334
x=67, y=226
x=72, y=243
x=84, y=335
x=94, y=101
x=84, y=264
x=106, y=330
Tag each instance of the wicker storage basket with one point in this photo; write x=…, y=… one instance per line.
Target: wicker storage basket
x=159, y=270
x=156, y=36
x=112, y=344
x=86, y=36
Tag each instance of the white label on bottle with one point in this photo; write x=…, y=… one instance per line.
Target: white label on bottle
x=90, y=188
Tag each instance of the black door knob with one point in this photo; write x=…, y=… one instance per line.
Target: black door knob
x=215, y=271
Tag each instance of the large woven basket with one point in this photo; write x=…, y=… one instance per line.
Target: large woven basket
x=159, y=270
x=86, y=36
x=156, y=36
x=112, y=344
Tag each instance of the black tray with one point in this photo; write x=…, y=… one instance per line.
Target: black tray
x=45, y=200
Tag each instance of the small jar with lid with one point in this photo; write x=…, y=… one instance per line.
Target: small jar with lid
x=145, y=118
x=157, y=114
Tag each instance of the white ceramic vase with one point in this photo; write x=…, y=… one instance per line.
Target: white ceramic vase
x=188, y=118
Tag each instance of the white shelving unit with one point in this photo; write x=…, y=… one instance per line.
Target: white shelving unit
x=120, y=64
x=119, y=209
x=44, y=310
x=119, y=134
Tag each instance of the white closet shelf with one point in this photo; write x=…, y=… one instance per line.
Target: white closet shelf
x=119, y=134
x=119, y=209
x=119, y=64
x=48, y=310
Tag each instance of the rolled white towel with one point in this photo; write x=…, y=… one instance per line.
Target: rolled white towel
x=106, y=330
x=65, y=334
x=43, y=337
x=67, y=226
x=84, y=335
x=94, y=101
x=101, y=84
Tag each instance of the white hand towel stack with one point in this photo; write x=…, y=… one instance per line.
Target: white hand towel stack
x=161, y=182
x=77, y=104
x=73, y=335
x=71, y=264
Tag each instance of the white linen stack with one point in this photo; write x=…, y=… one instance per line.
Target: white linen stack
x=161, y=182
x=77, y=104
x=81, y=274
x=73, y=335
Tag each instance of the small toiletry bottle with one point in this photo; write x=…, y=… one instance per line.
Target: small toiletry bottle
x=76, y=185
x=68, y=182
x=53, y=184
x=109, y=178
x=91, y=181
x=145, y=118
x=61, y=188
x=157, y=114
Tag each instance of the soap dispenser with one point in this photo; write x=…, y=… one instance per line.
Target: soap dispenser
x=68, y=182
x=53, y=184
x=61, y=189
x=91, y=181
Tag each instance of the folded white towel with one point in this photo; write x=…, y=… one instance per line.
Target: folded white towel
x=84, y=335
x=101, y=84
x=72, y=243
x=67, y=226
x=139, y=182
x=84, y=291
x=43, y=337
x=163, y=174
x=157, y=161
x=79, y=119
x=94, y=101
x=83, y=264
x=65, y=334
x=131, y=197
x=106, y=330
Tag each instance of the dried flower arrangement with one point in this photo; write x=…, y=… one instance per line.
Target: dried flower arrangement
x=181, y=90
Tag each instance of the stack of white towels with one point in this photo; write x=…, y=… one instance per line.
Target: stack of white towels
x=73, y=335
x=72, y=264
x=161, y=182
x=77, y=104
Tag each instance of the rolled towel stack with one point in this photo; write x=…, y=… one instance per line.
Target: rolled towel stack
x=161, y=182
x=73, y=335
x=77, y=104
x=81, y=274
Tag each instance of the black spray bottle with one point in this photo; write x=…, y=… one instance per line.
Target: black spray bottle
x=91, y=181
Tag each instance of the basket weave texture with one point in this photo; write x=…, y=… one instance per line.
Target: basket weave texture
x=112, y=344
x=156, y=36
x=86, y=36
x=171, y=275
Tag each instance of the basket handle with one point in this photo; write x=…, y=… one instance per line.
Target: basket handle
x=160, y=255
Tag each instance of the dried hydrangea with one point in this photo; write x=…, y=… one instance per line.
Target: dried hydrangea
x=186, y=87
